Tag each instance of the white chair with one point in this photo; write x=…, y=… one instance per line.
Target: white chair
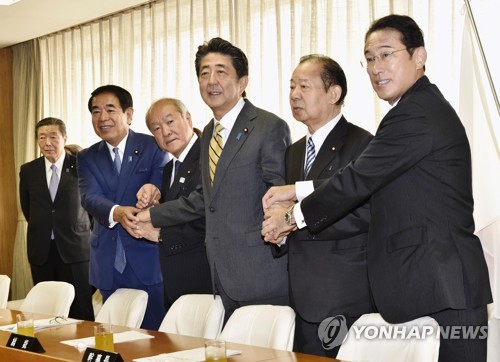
x=493, y=340
x=50, y=298
x=96, y=302
x=269, y=326
x=373, y=339
x=4, y=290
x=197, y=315
x=125, y=307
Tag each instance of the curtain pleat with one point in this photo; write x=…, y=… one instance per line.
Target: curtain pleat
x=150, y=50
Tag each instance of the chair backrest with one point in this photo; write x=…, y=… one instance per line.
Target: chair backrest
x=493, y=350
x=372, y=339
x=197, y=315
x=50, y=298
x=125, y=307
x=270, y=326
x=4, y=290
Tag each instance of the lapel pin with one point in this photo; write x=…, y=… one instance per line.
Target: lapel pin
x=189, y=172
x=334, y=149
x=136, y=152
x=245, y=130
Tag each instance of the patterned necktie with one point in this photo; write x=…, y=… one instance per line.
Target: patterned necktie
x=215, y=150
x=311, y=155
x=118, y=161
x=54, y=182
x=120, y=259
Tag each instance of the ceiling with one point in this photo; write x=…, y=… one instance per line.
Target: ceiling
x=30, y=19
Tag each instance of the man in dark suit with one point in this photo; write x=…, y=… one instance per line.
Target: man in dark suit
x=111, y=172
x=327, y=270
x=58, y=226
x=242, y=153
x=183, y=257
x=423, y=256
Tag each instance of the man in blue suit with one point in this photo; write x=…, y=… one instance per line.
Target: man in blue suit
x=111, y=172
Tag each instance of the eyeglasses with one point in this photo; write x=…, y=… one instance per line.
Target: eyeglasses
x=369, y=62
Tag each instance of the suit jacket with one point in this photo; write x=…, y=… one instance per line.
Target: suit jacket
x=183, y=256
x=101, y=188
x=65, y=215
x=422, y=254
x=251, y=162
x=327, y=270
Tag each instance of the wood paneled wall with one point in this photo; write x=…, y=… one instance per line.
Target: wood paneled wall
x=8, y=183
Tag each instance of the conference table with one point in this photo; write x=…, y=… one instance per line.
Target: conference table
x=50, y=339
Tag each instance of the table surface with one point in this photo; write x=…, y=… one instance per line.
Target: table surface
x=161, y=343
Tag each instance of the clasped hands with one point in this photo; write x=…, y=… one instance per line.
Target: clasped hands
x=275, y=203
x=137, y=220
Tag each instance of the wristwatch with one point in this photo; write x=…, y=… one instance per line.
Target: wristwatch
x=289, y=219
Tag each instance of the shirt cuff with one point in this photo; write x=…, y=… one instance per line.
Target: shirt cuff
x=112, y=222
x=303, y=189
x=298, y=216
x=283, y=242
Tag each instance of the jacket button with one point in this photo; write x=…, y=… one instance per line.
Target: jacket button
x=212, y=209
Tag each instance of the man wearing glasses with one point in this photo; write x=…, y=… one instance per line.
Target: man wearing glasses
x=423, y=256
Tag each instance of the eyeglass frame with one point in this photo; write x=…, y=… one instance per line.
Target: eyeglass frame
x=382, y=57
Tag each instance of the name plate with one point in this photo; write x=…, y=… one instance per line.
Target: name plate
x=97, y=355
x=24, y=343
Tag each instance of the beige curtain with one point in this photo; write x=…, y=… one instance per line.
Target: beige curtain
x=150, y=51
x=27, y=110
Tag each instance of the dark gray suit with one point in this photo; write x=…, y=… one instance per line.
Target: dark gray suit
x=251, y=162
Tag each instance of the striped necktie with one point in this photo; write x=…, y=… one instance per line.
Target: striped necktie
x=311, y=155
x=215, y=150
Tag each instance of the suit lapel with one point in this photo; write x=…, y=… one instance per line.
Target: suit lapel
x=328, y=152
x=68, y=168
x=296, y=169
x=105, y=164
x=242, y=128
x=131, y=156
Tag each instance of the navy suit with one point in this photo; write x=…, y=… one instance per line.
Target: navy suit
x=327, y=270
x=183, y=257
x=66, y=258
x=102, y=188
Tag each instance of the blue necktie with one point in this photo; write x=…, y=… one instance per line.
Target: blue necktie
x=54, y=182
x=311, y=155
x=120, y=259
x=118, y=161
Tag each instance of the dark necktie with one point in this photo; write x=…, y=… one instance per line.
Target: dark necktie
x=177, y=164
